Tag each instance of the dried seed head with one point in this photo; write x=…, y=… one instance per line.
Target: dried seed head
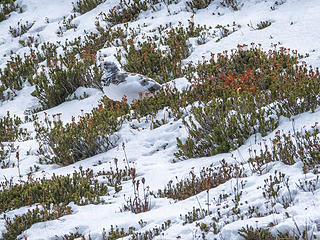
x=133, y=173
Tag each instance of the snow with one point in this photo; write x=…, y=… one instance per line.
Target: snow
x=295, y=24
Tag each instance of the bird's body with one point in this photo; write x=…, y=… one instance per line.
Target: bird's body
x=118, y=84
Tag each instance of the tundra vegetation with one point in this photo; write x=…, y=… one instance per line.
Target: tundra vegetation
x=233, y=96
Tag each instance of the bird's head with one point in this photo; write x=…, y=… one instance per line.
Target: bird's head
x=109, y=67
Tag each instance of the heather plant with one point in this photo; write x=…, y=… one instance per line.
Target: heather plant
x=10, y=130
x=126, y=11
x=261, y=25
x=116, y=176
x=138, y=204
x=208, y=178
x=147, y=57
x=19, y=223
x=53, y=194
x=116, y=232
x=309, y=185
x=83, y=6
x=80, y=188
x=16, y=72
x=129, y=10
x=67, y=25
x=21, y=29
x=244, y=68
x=195, y=215
x=231, y=3
x=225, y=31
x=224, y=124
x=250, y=233
x=72, y=142
x=194, y=5
x=289, y=149
x=59, y=75
x=272, y=84
x=151, y=233
x=8, y=6
x=56, y=82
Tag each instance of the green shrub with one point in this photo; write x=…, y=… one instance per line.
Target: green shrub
x=224, y=125
x=9, y=129
x=17, y=71
x=54, y=84
x=21, y=29
x=83, y=6
x=198, y=4
x=18, y=224
x=261, y=25
x=67, y=25
x=128, y=10
x=243, y=94
x=230, y=3
x=209, y=178
x=149, y=59
x=80, y=188
x=152, y=233
x=289, y=149
x=6, y=7
x=250, y=233
x=116, y=233
x=194, y=5
x=4, y=155
x=93, y=134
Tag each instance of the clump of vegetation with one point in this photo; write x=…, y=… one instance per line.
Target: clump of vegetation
x=194, y=5
x=21, y=29
x=83, y=6
x=16, y=72
x=138, y=204
x=20, y=223
x=59, y=76
x=152, y=233
x=67, y=25
x=230, y=3
x=10, y=130
x=277, y=190
x=261, y=25
x=251, y=233
x=58, y=81
x=92, y=134
x=243, y=94
x=195, y=215
x=209, y=178
x=289, y=149
x=129, y=10
x=198, y=4
x=116, y=176
x=149, y=59
x=224, y=125
x=126, y=11
x=116, y=232
x=80, y=188
x=8, y=6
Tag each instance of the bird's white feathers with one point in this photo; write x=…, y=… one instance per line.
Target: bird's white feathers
x=118, y=84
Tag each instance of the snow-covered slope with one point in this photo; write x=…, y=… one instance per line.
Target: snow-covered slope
x=294, y=25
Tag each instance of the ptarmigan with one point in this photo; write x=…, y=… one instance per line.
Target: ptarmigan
x=118, y=84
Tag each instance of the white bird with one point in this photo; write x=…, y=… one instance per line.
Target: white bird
x=118, y=84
